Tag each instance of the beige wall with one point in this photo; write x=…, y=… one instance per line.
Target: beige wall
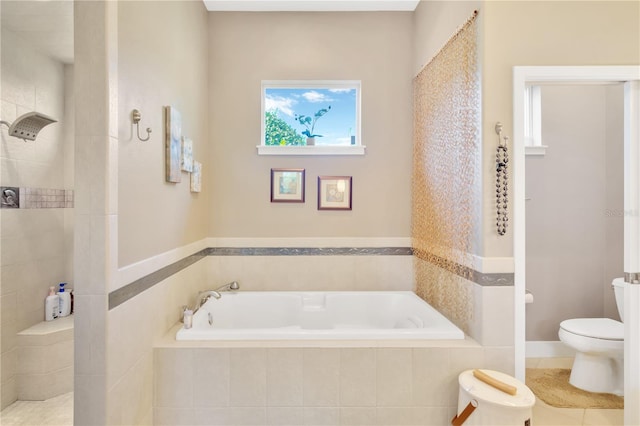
x=543, y=33
x=36, y=242
x=574, y=222
x=162, y=60
x=435, y=22
x=246, y=48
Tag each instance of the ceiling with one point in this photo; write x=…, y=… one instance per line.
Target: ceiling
x=48, y=24
x=310, y=5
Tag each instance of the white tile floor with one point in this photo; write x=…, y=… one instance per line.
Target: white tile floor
x=546, y=415
x=56, y=411
x=59, y=411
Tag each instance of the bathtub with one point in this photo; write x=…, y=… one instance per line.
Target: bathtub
x=285, y=315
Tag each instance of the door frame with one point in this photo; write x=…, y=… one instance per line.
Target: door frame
x=630, y=75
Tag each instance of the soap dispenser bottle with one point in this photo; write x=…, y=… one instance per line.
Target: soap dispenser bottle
x=51, y=306
x=65, y=301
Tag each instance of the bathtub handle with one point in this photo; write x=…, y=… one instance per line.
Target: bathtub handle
x=210, y=317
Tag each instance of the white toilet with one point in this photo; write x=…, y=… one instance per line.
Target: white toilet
x=599, y=344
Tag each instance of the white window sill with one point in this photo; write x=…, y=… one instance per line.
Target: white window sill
x=311, y=150
x=535, y=150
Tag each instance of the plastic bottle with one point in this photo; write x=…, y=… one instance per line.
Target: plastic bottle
x=64, y=301
x=187, y=318
x=51, y=305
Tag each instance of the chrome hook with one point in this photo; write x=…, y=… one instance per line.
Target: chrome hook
x=135, y=117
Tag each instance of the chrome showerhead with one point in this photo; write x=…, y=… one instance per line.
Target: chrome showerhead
x=28, y=125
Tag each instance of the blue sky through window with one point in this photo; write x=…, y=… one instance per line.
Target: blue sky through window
x=336, y=127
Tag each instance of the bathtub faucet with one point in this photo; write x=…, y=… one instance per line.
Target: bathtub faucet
x=203, y=296
x=232, y=286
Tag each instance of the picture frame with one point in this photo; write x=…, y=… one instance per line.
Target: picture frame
x=187, y=155
x=196, y=177
x=287, y=185
x=173, y=144
x=335, y=192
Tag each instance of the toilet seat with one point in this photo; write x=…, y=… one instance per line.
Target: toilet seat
x=596, y=328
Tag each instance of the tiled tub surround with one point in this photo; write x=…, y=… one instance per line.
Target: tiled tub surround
x=313, y=383
x=144, y=388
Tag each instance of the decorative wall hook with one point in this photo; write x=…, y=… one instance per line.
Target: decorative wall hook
x=135, y=117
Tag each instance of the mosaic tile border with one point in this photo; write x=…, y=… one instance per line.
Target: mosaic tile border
x=310, y=251
x=129, y=291
x=121, y=295
x=480, y=278
x=44, y=198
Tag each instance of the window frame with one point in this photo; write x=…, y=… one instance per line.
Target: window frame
x=357, y=149
x=533, y=121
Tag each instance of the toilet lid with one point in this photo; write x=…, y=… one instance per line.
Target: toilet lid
x=599, y=328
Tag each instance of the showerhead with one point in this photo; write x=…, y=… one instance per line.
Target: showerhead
x=28, y=125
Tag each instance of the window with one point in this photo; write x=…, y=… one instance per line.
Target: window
x=533, y=122
x=311, y=118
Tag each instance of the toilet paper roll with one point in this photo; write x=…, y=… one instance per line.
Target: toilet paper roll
x=528, y=297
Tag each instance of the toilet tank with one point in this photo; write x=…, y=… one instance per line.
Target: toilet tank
x=618, y=290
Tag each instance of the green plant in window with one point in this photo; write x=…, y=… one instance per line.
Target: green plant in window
x=278, y=132
x=310, y=122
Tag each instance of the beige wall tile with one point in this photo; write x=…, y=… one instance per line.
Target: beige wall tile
x=173, y=377
x=248, y=377
x=31, y=359
x=432, y=416
x=500, y=359
x=326, y=416
x=461, y=359
x=59, y=355
x=358, y=416
x=394, y=372
x=284, y=377
x=497, y=316
x=357, y=377
x=321, y=373
x=163, y=416
x=211, y=375
x=395, y=416
x=9, y=393
x=285, y=416
x=131, y=399
x=231, y=416
x=62, y=382
x=384, y=273
x=9, y=365
x=431, y=377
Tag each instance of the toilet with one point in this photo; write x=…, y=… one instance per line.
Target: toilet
x=599, y=345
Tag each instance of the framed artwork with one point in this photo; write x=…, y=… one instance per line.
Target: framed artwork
x=334, y=192
x=187, y=154
x=196, y=177
x=287, y=185
x=173, y=144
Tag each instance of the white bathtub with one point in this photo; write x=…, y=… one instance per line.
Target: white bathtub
x=284, y=315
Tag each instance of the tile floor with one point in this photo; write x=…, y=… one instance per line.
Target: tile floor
x=546, y=415
x=59, y=411
x=56, y=411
